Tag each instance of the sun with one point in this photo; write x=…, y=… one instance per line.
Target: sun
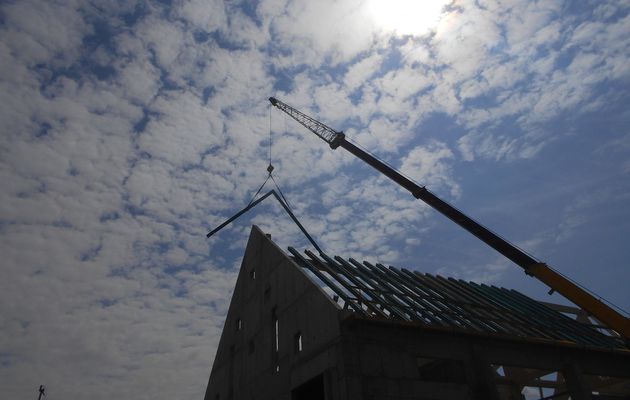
x=407, y=17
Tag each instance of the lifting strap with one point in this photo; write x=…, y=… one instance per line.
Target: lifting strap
x=255, y=203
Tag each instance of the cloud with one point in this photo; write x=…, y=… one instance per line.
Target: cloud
x=314, y=31
x=430, y=166
x=208, y=16
x=580, y=211
x=360, y=72
x=35, y=40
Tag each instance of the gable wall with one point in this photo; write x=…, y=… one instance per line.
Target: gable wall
x=240, y=372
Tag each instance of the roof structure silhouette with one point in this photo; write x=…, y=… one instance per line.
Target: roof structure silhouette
x=375, y=291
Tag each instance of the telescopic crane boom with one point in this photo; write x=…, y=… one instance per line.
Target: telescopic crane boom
x=531, y=265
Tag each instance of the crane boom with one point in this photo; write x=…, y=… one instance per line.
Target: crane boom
x=530, y=265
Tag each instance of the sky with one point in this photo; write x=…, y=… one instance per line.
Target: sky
x=129, y=129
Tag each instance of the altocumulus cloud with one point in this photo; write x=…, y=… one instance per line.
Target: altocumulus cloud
x=130, y=128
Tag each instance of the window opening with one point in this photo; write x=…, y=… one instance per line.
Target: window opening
x=276, y=331
x=297, y=342
x=528, y=383
x=239, y=324
x=275, y=327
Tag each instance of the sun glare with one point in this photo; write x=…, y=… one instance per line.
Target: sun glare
x=407, y=17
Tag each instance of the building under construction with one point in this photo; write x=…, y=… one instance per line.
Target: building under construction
x=307, y=326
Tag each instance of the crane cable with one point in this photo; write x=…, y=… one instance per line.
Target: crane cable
x=270, y=169
x=259, y=189
x=270, y=143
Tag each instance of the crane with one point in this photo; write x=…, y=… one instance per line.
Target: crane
x=532, y=266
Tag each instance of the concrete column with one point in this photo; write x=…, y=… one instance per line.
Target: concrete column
x=577, y=386
x=483, y=383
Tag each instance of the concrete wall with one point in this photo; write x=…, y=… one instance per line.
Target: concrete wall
x=245, y=363
x=381, y=360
